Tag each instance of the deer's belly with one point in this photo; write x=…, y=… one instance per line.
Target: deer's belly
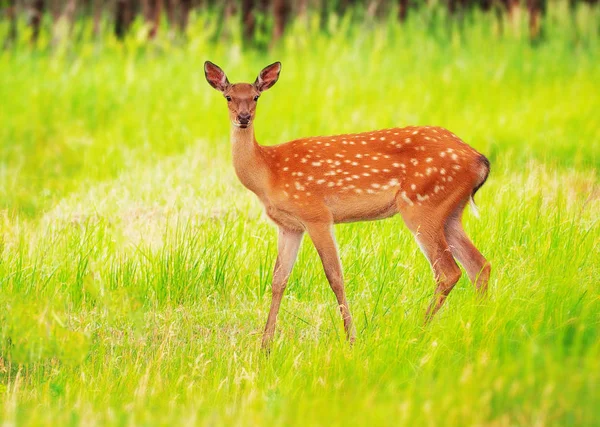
x=363, y=208
x=283, y=218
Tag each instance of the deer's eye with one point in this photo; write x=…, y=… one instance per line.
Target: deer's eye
x=256, y=98
x=228, y=98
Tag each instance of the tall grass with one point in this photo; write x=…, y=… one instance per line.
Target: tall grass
x=135, y=269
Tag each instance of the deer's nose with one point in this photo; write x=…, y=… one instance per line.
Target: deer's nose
x=244, y=118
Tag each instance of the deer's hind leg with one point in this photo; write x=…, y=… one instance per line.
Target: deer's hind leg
x=477, y=267
x=429, y=234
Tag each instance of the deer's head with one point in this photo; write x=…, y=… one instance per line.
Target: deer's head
x=241, y=97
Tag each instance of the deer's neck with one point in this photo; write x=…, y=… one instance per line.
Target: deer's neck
x=249, y=160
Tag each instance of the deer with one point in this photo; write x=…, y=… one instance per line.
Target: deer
x=426, y=174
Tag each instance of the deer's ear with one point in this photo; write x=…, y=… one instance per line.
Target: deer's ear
x=215, y=76
x=268, y=77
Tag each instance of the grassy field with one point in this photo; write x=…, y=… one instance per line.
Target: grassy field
x=135, y=269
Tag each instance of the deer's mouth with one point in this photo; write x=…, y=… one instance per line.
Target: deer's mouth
x=241, y=125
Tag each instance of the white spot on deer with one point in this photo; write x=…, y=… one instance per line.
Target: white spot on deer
x=303, y=160
x=375, y=170
x=428, y=171
x=358, y=190
x=406, y=199
x=413, y=187
x=385, y=170
x=286, y=159
x=363, y=142
x=436, y=189
x=442, y=154
x=330, y=184
x=443, y=171
x=422, y=198
x=450, y=178
x=320, y=181
x=454, y=157
x=309, y=178
x=393, y=182
x=299, y=173
x=341, y=156
x=344, y=142
x=296, y=196
x=308, y=193
x=382, y=138
x=370, y=191
x=285, y=169
x=298, y=186
x=415, y=162
x=407, y=140
x=372, y=138
x=355, y=176
x=319, y=142
x=285, y=193
x=415, y=132
x=366, y=174
x=359, y=156
x=316, y=163
x=456, y=167
x=354, y=163
x=429, y=160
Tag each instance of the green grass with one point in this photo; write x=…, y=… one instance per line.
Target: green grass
x=135, y=269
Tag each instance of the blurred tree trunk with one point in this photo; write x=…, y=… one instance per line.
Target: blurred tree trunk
x=230, y=9
x=123, y=18
x=536, y=10
x=155, y=18
x=248, y=19
x=37, y=13
x=302, y=8
x=171, y=9
x=511, y=6
x=343, y=6
x=97, y=17
x=11, y=15
x=402, y=10
x=281, y=12
x=184, y=14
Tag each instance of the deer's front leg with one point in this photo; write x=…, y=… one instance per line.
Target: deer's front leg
x=324, y=241
x=287, y=251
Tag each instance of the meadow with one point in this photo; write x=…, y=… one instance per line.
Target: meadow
x=135, y=269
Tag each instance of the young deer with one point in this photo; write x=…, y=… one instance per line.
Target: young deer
x=426, y=174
